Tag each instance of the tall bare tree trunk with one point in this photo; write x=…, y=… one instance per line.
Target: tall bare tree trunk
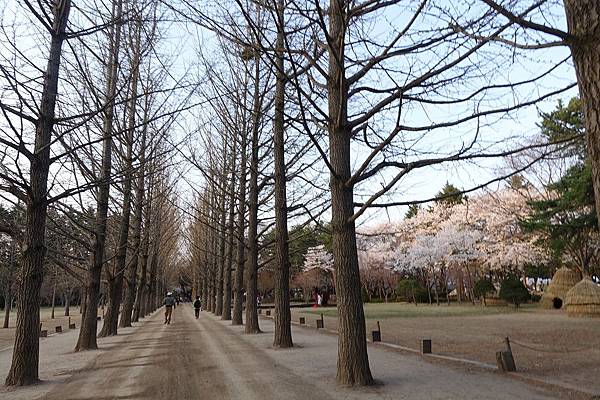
x=67, y=298
x=213, y=286
x=115, y=291
x=7, y=307
x=53, y=296
x=25, y=359
x=238, y=295
x=87, y=333
x=353, y=362
x=214, y=248
x=283, y=331
x=230, y=236
x=252, y=261
x=139, y=309
x=221, y=237
x=131, y=273
x=583, y=20
x=204, y=278
x=151, y=296
x=115, y=288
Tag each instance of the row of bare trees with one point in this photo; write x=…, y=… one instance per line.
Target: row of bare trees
x=376, y=93
x=87, y=156
x=385, y=92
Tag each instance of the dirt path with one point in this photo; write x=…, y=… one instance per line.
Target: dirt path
x=210, y=359
x=189, y=359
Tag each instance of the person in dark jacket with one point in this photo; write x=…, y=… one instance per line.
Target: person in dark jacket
x=197, y=306
x=169, y=303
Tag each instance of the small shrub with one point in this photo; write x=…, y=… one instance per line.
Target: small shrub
x=482, y=288
x=513, y=291
x=406, y=288
x=422, y=295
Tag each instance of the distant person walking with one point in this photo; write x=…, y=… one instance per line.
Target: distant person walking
x=169, y=303
x=197, y=306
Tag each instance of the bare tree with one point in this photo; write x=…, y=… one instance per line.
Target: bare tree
x=283, y=332
x=87, y=333
x=24, y=367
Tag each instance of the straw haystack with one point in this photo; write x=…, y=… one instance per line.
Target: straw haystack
x=562, y=281
x=583, y=300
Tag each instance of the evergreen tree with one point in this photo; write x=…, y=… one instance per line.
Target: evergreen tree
x=568, y=218
x=412, y=211
x=450, y=195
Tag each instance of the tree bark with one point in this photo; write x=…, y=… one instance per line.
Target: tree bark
x=67, y=298
x=7, y=307
x=151, y=294
x=204, y=294
x=282, y=337
x=53, y=296
x=238, y=296
x=130, y=274
x=352, y=362
x=115, y=289
x=252, y=261
x=25, y=359
x=230, y=239
x=139, y=309
x=221, y=237
x=87, y=333
x=583, y=21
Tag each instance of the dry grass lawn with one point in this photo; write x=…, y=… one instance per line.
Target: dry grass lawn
x=559, y=349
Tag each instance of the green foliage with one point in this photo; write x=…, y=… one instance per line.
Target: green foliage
x=324, y=236
x=421, y=295
x=540, y=271
x=568, y=220
x=301, y=239
x=405, y=288
x=483, y=287
x=450, y=195
x=513, y=291
x=563, y=123
x=412, y=211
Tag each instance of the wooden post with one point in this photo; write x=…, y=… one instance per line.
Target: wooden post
x=320, y=323
x=507, y=341
x=376, y=334
x=426, y=346
x=505, y=359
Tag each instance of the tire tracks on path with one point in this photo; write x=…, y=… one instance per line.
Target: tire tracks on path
x=158, y=361
x=250, y=372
